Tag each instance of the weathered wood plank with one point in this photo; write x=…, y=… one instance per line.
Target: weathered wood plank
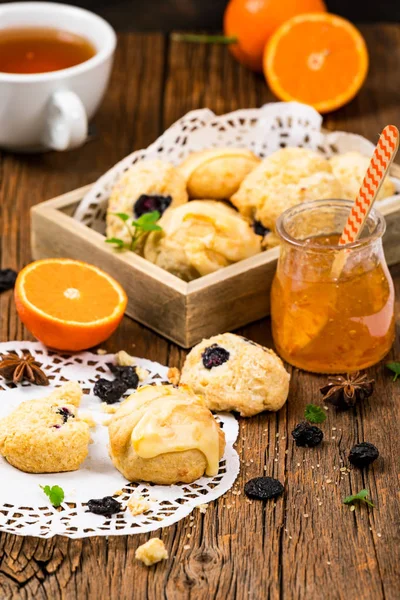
x=237, y=550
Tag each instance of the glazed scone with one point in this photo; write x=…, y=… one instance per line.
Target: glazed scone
x=282, y=180
x=232, y=373
x=148, y=185
x=152, y=552
x=199, y=238
x=165, y=435
x=46, y=435
x=350, y=169
x=217, y=173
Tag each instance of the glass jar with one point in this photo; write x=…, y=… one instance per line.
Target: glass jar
x=332, y=307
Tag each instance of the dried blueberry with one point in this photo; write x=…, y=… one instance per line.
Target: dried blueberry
x=7, y=279
x=149, y=202
x=109, y=391
x=65, y=413
x=106, y=506
x=214, y=356
x=305, y=434
x=362, y=455
x=126, y=374
x=263, y=488
x=259, y=228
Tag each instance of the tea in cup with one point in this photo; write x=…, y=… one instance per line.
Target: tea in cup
x=55, y=64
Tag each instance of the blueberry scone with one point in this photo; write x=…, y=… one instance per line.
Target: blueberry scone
x=232, y=373
x=282, y=180
x=217, y=173
x=350, y=169
x=199, y=238
x=46, y=435
x=147, y=186
x=165, y=435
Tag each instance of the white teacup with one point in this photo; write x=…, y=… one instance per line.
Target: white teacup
x=51, y=110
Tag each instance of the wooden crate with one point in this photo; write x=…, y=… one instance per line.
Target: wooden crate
x=183, y=312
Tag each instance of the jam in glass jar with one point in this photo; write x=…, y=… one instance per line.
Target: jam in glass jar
x=332, y=307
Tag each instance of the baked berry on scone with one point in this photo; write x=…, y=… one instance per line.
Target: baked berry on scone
x=46, y=435
x=232, y=373
x=147, y=186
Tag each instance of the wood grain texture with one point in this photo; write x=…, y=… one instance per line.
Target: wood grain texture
x=237, y=549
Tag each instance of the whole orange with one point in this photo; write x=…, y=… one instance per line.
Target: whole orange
x=254, y=21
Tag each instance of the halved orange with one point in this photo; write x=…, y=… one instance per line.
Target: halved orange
x=68, y=304
x=319, y=59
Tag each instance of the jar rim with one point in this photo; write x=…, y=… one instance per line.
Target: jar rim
x=284, y=235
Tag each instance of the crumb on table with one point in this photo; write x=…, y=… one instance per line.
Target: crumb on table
x=152, y=552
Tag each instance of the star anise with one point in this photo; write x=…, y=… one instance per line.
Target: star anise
x=345, y=392
x=19, y=368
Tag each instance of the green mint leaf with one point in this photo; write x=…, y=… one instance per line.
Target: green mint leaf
x=119, y=243
x=150, y=227
x=395, y=367
x=122, y=216
x=54, y=493
x=314, y=413
x=360, y=497
x=150, y=217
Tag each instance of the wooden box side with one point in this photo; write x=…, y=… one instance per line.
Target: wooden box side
x=156, y=298
x=237, y=295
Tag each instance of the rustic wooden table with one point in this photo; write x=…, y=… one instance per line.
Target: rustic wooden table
x=308, y=544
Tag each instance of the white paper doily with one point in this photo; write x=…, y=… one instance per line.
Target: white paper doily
x=263, y=130
x=25, y=510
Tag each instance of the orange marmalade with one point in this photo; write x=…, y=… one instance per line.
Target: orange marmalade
x=325, y=319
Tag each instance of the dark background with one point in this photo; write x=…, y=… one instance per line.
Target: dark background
x=164, y=15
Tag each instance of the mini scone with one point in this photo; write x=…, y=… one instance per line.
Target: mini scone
x=46, y=435
x=282, y=180
x=350, y=169
x=233, y=373
x=148, y=185
x=165, y=435
x=217, y=173
x=199, y=238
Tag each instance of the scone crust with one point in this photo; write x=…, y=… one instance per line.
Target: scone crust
x=252, y=380
x=146, y=177
x=282, y=180
x=165, y=469
x=30, y=441
x=199, y=238
x=350, y=169
x=217, y=173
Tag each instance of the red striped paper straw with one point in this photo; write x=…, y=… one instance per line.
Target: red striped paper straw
x=381, y=160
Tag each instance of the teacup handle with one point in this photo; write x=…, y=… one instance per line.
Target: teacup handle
x=66, y=121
